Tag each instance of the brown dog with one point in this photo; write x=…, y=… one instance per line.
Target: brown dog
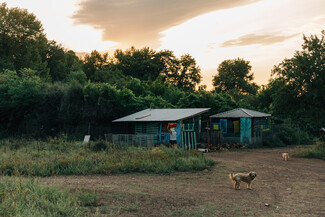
x=245, y=177
x=285, y=156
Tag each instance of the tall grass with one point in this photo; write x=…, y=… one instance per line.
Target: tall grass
x=58, y=157
x=317, y=151
x=22, y=197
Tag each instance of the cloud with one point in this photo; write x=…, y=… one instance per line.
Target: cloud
x=250, y=39
x=139, y=22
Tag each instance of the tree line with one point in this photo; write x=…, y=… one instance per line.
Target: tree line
x=46, y=89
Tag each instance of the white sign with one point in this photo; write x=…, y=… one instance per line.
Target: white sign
x=87, y=138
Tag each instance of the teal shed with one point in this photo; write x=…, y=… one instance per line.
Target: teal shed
x=240, y=125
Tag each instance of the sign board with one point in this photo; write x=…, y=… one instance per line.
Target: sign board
x=87, y=138
x=216, y=126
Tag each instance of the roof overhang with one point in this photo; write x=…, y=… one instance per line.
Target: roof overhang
x=162, y=115
x=241, y=113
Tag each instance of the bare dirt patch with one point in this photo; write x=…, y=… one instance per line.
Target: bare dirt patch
x=291, y=188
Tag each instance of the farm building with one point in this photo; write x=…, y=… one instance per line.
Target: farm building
x=240, y=125
x=160, y=126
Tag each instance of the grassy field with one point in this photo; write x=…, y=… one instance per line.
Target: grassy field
x=58, y=157
x=29, y=197
x=289, y=188
x=22, y=160
x=100, y=179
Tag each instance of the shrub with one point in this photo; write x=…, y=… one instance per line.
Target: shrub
x=317, y=151
x=273, y=141
x=98, y=145
x=288, y=134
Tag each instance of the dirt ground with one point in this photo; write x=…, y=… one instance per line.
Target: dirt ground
x=290, y=188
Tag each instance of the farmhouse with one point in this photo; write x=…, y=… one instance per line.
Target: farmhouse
x=160, y=126
x=240, y=125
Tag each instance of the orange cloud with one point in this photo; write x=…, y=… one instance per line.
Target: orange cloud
x=250, y=39
x=139, y=22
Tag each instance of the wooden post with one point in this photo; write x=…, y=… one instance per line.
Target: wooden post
x=195, y=146
x=208, y=132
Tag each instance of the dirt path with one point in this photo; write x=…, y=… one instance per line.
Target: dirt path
x=291, y=188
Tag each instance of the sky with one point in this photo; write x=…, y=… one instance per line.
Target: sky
x=263, y=32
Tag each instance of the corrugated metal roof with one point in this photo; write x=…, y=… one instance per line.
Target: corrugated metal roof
x=162, y=115
x=240, y=113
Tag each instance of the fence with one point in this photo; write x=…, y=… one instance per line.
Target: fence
x=277, y=135
x=217, y=137
x=132, y=140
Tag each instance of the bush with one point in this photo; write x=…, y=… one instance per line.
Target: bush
x=99, y=145
x=317, y=151
x=273, y=141
x=287, y=134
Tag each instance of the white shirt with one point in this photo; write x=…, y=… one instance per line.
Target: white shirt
x=173, y=136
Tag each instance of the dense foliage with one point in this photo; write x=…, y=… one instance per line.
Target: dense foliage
x=22, y=41
x=301, y=84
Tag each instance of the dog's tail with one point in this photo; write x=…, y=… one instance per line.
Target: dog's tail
x=231, y=177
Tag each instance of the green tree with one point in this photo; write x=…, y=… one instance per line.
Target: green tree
x=93, y=62
x=78, y=76
x=264, y=100
x=303, y=76
x=56, y=62
x=60, y=62
x=138, y=63
x=104, y=102
x=19, y=95
x=218, y=102
x=235, y=78
x=72, y=61
x=188, y=74
x=166, y=90
x=158, y=102
x=168, y=64
x=147, y=65
x=22, y=41
x=138, y=88
x=111, y=76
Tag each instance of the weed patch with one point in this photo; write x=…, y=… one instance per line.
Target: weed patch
x=22, y=197
x=87, y=199
x=317, y=151
x=59, y=157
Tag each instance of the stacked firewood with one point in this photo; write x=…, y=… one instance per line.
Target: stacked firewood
x=223, y=146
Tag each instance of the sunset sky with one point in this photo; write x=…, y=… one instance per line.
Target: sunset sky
x=263, y=32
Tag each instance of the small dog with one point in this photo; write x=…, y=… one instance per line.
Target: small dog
x=245, y=177
x=285, y=156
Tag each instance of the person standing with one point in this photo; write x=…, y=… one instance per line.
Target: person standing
x=173, y=134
